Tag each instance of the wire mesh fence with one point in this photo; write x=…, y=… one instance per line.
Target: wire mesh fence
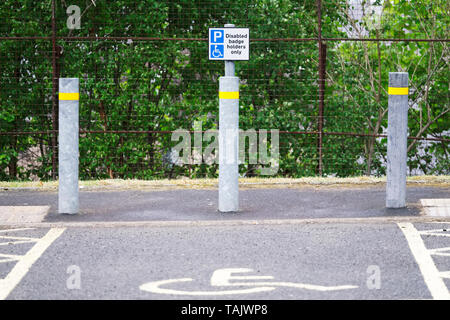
x=318, y=73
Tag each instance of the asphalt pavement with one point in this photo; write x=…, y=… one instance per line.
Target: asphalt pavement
x=290, y=257
x=195, y=205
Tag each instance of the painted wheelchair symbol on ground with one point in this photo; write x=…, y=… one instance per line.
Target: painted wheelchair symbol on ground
x=223, y=278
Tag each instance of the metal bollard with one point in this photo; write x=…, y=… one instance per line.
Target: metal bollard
x=228, y=144
x=68, y=198
x=397, y=140
x=229, y=138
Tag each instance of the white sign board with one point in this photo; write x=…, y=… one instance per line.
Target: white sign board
x=229, y=43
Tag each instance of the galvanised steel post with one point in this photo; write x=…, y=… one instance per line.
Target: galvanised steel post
x=397, y=140
x=229, y=139
x=68, y=198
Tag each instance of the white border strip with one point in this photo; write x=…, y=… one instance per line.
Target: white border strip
x=24, y=264
x=430, y=273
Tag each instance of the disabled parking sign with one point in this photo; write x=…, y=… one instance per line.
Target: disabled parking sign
x=229, y=43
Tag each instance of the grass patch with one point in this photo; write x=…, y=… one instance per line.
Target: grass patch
x=244, y=183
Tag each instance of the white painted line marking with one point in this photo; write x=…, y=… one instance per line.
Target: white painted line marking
x=24, y=264
x=431, y=231
x=430, y=273
x=440, y=252
x=9, y=257
x=434, y=234
x=16, y=242
x=4, y=260
x=14, y=256
x=19, y=238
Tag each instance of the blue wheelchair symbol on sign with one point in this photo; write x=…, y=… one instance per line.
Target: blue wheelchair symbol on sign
x=216, y=51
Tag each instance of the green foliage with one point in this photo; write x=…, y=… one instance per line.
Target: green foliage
x=164, y=85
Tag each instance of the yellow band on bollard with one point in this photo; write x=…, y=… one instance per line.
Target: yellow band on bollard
x=398, y=91
x=69, y=96
x=229, y=95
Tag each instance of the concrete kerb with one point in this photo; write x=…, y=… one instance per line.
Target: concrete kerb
x=227, y=223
